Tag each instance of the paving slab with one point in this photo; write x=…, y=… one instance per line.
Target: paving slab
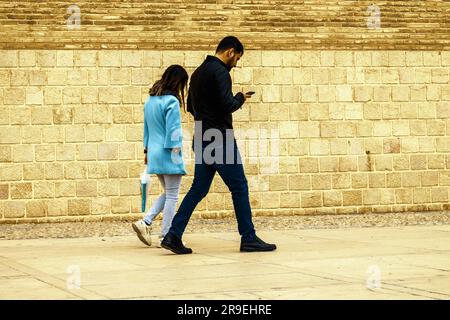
x=407, y=262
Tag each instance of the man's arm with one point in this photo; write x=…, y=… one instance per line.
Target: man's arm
x=227, y=102
x=190, y=107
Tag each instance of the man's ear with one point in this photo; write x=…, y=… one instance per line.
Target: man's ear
x=231, y=52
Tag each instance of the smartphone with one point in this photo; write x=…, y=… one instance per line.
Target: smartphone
x=250, y=93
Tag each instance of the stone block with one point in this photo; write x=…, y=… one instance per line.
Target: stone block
x=79, y=207
x=311, y=199
x=352, y=198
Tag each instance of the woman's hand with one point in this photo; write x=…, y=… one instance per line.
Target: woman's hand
x=176, y=150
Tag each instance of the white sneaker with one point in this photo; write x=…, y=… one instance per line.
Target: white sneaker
x=143, y=231
x=160, y=239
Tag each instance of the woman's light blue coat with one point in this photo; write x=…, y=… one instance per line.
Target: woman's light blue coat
x=162, y=133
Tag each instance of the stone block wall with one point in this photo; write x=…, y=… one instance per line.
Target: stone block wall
x=345, y=119
x=199, y=24
x=326, y=132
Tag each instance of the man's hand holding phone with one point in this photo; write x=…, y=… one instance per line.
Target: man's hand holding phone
x=249, y=94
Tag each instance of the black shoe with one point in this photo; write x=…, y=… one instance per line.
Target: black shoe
x=256, y=245
x=174, y=244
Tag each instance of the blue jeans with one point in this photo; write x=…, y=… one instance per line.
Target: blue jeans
x=166, y=201
x=232, y=173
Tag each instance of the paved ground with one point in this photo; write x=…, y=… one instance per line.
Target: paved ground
x=404, y=262
x=199, y=225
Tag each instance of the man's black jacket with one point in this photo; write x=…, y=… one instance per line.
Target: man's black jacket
x=210, y=97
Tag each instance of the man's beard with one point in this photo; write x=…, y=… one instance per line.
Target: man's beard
x=230, y=65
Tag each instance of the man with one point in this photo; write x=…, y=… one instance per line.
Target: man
x=211, y=102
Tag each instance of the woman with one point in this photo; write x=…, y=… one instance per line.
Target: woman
x=162, y=147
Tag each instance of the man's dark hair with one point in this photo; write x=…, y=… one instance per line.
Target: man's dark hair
x=228, y=43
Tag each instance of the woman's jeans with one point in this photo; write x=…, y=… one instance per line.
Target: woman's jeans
x=167, y=201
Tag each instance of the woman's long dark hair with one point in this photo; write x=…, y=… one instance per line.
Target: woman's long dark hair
x=174, y=79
